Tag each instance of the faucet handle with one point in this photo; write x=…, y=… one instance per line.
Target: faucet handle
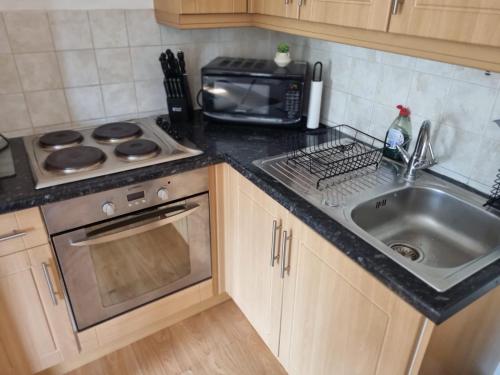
x=404, y=154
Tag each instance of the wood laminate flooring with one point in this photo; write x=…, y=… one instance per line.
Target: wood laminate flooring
x=217, y=341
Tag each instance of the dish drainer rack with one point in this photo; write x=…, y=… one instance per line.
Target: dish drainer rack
x=330, y=152
x=494, y=199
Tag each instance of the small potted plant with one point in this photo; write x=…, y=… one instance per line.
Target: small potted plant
x=282, y=57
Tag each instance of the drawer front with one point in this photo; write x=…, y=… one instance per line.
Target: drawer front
x=21, y=230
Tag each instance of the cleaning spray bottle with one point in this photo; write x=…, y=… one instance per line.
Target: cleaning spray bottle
x=399, y=133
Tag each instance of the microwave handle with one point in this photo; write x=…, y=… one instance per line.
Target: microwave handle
x=138, y=230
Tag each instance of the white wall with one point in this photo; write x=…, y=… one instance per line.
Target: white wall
x=75, y=4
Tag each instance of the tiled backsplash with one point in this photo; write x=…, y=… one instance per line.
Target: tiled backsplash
x=61, y=68
x=363, y=87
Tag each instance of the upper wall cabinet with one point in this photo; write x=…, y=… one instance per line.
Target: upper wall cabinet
x=201, y=6
x=189, y=14
x=468, y=21
x=365, y=14
x=280, y=8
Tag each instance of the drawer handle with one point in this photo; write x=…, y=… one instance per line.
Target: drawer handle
x=15, y=234
x=276, y=228
x=45, y=268
x=284, y=266
x=395, y=6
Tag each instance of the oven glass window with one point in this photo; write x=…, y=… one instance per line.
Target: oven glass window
x=128, y=268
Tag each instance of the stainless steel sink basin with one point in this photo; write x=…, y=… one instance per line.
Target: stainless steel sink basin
x=429, y=226
x=433, y=228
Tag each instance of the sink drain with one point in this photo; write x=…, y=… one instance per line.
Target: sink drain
x=406, y=250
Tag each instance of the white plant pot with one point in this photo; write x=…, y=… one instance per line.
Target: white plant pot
x=282, y=59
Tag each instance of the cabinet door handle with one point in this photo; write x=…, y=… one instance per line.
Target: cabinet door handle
x=300, y=3
x=274, y=256
x=287, y=2
x=15, y=234
x=45, y=268
x=284, y=266
x=395, y=6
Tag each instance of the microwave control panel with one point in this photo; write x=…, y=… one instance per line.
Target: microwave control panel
x=293, y=100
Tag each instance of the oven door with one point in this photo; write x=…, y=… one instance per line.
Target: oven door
x=113, y=267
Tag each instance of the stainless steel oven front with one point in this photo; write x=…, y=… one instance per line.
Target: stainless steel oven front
x=136, y=245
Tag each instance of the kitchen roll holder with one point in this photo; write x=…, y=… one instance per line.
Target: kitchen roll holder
x=315, y=95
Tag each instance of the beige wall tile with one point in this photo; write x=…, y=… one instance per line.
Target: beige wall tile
x=469, y=106
x=78, y=68
x=14, y=113
x=145, y=63
x=19, y=133
x=4, y=40
x=47, y=107
x=115, y=65
x=38, y=71
x=150, y=95
x=119, y=99
x=85, y=103
x=108, y=28
x=9, y=79
x=28, y=31
x=170, y=35
x=70, y=29
x=142, y=28
x=427, y=94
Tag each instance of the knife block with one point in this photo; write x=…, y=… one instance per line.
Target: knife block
x=179, y=102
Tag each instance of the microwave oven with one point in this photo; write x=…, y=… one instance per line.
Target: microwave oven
x=253, y=91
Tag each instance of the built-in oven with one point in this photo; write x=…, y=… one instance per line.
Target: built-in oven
x=137, y=244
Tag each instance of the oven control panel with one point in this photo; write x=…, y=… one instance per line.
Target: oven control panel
x=96, y=207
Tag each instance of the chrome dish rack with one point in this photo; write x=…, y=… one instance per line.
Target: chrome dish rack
x=332, y=152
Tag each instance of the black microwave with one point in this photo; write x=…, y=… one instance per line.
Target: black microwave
x=253, y=91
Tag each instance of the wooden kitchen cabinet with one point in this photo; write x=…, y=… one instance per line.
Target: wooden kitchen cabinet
x=324, y=314
x=279, y=8
x=31, y=325
x=21, y=230
x=372, y=15
x=250, y=279
x=191, y=14
x=468, y=21
x=338, y=319
x=205, y=6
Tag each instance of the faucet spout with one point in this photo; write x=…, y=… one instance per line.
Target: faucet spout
x=419, y=159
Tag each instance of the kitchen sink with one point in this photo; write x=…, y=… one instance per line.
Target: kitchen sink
x=429, y=226
x=433, y=228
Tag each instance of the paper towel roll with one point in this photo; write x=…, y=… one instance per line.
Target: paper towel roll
x=314, y=110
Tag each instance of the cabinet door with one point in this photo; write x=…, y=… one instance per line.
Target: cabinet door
x=213, y=6
x=27, y=340
x=280, y=8
x=365, y=14
x=469, y=21
x=337, y=319
x=251, y=281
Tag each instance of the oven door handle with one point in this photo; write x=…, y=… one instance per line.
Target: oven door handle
x=138, y=230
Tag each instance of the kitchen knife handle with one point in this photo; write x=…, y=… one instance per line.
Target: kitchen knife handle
x=182, y=62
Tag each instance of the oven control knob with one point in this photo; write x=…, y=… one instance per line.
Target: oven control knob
x=162, y=194
x=108, y=208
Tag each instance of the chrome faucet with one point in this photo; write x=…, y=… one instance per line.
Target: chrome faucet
x=419, y=159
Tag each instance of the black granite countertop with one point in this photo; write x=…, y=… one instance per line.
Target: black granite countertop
x=239, y=146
